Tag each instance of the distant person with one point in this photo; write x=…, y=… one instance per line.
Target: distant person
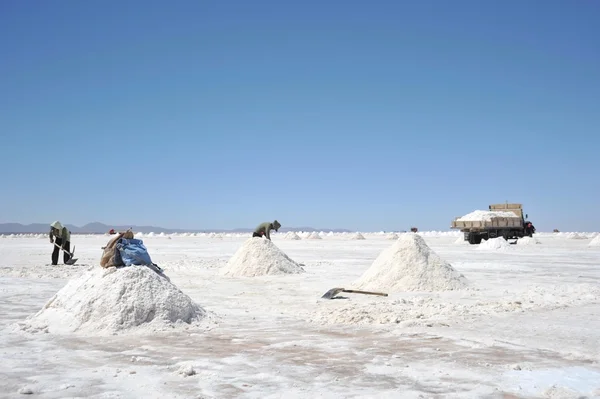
x=60, y=236
x=264, y=229
x=529, y=229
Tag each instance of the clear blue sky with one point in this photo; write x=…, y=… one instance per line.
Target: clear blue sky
x=372, y=115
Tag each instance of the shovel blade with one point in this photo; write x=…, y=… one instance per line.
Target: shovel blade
x=71, y=261
x=332, y=292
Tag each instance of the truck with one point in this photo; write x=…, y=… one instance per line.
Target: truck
x=501, y=220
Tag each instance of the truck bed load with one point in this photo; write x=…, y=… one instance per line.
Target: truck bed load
x=487, y=219
x=499, y=216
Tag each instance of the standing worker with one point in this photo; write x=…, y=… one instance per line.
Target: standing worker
x=264, y=229
x=60, y=236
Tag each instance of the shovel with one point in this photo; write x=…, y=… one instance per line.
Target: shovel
x=334, y=291
x=72, y=260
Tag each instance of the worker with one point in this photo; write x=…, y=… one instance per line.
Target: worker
x=264, y=229
x=61, y=237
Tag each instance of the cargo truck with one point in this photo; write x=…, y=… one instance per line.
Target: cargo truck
x=502, y=220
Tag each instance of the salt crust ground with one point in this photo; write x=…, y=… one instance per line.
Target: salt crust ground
x=435, y=311
x=529, y=330
x=108, y=301
x=410, y=265
x=260, y=257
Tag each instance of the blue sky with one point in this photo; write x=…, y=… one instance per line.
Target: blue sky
x=377, y=115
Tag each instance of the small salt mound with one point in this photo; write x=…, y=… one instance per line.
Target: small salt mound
x=527, y=241
x=410, y=265
x=357, y=236
x=314, y=236
x=497, y=244
x=259, y=257
x=392, y=236
x=461, y=241
x=108, y=301
x=576, y=236
x=595, y=242
x=292, y=236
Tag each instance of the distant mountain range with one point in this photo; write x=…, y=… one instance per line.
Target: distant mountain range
x=98, y=228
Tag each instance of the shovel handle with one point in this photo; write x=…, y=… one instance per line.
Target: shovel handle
x=367, y=292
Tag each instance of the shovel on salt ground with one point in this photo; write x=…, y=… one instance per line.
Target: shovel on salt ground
x=72, y=259
x=334, y=291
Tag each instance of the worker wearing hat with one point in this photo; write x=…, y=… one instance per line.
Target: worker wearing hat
x=61, y=236
x=264, y=229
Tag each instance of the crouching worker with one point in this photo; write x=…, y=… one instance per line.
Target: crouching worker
x=61, y=237
x=264, y=229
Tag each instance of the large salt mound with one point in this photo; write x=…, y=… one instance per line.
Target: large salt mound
x=595, y=242
x=497, y=244
x=292, y=236
x=357, y=236
x=259, y=257
x=410, y=265
x=108, y=301
x=527, y=241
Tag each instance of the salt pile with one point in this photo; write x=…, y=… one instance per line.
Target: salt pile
x=486, y=216
x=392, y=236
x=410, y=265
x=259, y=257
x=109, y=301
x=291, y=236
x=595, y=242
x=527, y=241
x=314, y=236
x=497, y=244
x=357, y=236
x=576, y=236
x=461, y=241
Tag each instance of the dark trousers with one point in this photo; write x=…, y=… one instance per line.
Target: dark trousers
x=66, y=256
x=256, y=235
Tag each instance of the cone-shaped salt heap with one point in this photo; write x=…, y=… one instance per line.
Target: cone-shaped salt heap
x=357, y=236
x=410, y=265
x=291, y=235
x=595, y=242
x=109, y=301
x=259, y=257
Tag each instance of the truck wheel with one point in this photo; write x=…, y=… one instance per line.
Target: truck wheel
x=474, y=239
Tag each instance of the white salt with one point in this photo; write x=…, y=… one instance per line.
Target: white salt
x=357, y=236
x=461, y=241
x=595, y=242
x=496, y=244
x=258, y=257
x=576, y=236
x=109, y=301
x=314, y=236
x=291, y=236
x=392, y=236
x=527, y=241
x=486, y=216
x=410, y=265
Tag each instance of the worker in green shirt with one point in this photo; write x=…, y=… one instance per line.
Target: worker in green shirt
x=60, y=236
x=264, y=229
